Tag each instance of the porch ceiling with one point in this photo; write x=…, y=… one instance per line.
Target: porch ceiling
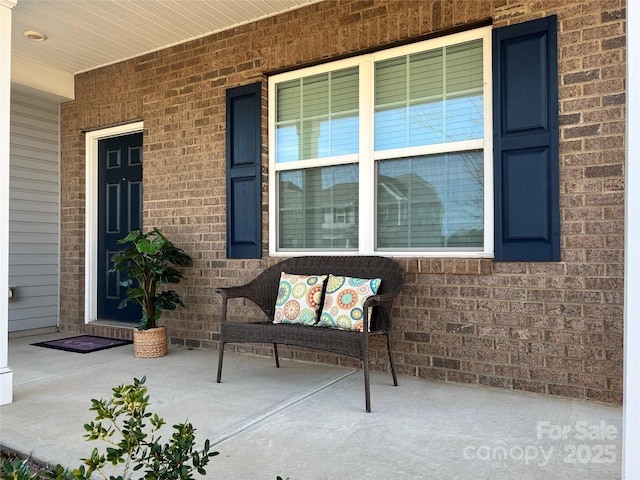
x=87, y=34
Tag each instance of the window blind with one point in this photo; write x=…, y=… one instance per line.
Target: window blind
x=318, y=208
x=317, y=116
x=429, y=98
x=432, y=201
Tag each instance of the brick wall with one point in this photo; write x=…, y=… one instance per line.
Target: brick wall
x=554, y=328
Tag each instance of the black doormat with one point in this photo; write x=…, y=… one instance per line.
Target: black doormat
x=83, y=343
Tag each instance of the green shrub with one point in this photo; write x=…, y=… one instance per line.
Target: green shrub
x=18, y=469
x=133, y=448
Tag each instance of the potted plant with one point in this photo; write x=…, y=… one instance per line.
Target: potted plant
x=148, y=263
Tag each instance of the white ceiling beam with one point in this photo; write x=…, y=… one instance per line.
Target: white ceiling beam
x=49, y=80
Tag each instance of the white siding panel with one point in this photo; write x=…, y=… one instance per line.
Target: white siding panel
x=36, y=261
x=32, y=191
x=34, y=224
x=24, y=238
x=38, y=207
x=32, y=286
x=15, y=271
x=33, y=248
x=41, y=304
x=35, y=175
x=34, y=209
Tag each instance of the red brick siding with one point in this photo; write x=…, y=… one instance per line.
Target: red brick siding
x=552, y=328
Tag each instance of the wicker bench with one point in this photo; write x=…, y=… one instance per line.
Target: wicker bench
x=263, y=291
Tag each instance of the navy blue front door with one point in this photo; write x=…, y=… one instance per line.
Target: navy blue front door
x=119, y=212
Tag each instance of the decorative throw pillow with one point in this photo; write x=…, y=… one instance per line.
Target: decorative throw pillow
x=299, y=298
x=344, y=300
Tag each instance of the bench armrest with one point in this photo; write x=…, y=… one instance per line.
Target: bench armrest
x=385, y=301
x=380, y=300
x=242, y=291
x=253, y=291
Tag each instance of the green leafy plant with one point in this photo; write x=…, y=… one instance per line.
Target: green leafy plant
x=17, y=469
x=15, y=466
x=134, y=449
x=149, y=262
x=121, y=422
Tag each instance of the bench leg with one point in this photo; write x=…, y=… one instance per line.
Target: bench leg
x=275, y=354
x=367, y=388
x=220, y=355
x=391, y=363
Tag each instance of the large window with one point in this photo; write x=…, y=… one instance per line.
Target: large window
x=388, y=152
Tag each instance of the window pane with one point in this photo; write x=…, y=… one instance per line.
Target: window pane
x=464, y=119
x=429, y=98
x=391, y=84
x=287, y=141
x=317, y=116
x=315, y=97
x=344, y=83
x=288, y=94
x=318, y=208
x=464, y=66
x=425, y=124
x=425, y=71
x=433, y=202
x=344, y=133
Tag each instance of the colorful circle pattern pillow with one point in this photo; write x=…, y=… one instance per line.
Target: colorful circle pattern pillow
x=299, y=298
x=344, y=300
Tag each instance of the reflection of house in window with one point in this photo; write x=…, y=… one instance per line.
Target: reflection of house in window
x=291, y=216
x=340, y=216
x=315, y=218
x=390, y=211
x=410, y=213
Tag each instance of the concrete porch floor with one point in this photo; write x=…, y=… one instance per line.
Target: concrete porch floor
x=307, y=421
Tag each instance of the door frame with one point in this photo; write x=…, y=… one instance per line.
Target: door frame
x=91, y=212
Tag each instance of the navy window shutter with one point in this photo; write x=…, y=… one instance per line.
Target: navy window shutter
x=525, y=143
x=244, y=168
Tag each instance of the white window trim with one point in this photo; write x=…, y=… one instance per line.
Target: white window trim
x=365, y=157
x=91, y=212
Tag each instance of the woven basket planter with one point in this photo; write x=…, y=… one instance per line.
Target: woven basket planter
x=151, y=343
